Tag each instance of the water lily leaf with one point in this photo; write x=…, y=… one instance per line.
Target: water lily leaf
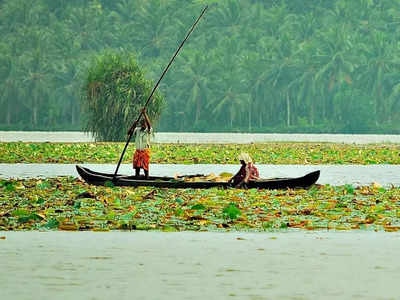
x=44, y=185
x=179, y=200
x=349, y=188
x=40, y=201
x=27, y=218
x=231, y=211
x=169, y=229
x=51, y=224
x=179, y=212
x=20, y=212
x=109, y=184
x=68, y=227
x=9, y=187
x=100, y=229
x=198, y=206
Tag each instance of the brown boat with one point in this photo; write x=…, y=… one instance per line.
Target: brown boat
x=98, y=178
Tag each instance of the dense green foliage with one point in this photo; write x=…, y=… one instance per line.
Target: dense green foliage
x=268, y=153
x=67, y=203
x=114, y=93
x=287, y=65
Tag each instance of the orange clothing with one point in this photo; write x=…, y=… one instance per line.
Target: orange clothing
x=141, y=159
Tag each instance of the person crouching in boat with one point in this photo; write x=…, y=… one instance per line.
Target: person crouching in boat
x=141, y=158
x=247, y=172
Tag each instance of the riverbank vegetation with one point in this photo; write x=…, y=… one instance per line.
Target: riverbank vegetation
x=67, y=203
x=253, y=66
x=266, y=153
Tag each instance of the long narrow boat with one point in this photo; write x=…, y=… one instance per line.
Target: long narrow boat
x=98, y=178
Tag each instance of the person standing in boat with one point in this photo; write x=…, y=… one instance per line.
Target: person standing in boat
x=141, y=158
x=247, y=172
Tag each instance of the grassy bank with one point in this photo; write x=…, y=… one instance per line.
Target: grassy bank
x=66, y=203
x=267, y=153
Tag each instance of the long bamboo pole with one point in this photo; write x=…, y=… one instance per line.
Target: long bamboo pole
x=155, y=87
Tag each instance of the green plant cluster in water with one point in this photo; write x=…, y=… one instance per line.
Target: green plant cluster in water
x=267, y=153
x=66, y=203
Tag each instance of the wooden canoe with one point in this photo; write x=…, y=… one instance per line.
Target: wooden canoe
x=98, y=178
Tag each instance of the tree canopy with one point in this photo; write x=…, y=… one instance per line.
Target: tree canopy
x=250, y=66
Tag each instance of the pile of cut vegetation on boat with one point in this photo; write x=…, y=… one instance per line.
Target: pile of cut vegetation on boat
x=98, y=178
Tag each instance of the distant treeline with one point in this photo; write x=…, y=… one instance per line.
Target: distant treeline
x=250, y=66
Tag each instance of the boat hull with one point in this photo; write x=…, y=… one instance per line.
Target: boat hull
x=98, y=178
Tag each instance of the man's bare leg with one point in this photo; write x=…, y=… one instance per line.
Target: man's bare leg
x=137, y=172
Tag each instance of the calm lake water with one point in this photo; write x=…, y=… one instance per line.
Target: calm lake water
x=199, y=265
x=218, y=138
x=330, y=174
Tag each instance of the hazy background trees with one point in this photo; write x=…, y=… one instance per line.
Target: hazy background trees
x=255, y=66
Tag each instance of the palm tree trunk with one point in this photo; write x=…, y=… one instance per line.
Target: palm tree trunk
x=288, y=109
x=231, y=117
x=380, y=106
x=249, y=116
x=312, y=115
x=198, y=110
x=34, y=111
x=8, y=113
x=72, y=113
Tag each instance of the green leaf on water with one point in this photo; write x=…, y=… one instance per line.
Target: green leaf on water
x=198, y=207
x=27, y=218
x=40, y=201
x=20, y=212
x=24, y=219
x=117, y=202
x=44, y=185
x=109, y=184
x=9, y=187
x=381, y=190
x=179, y=200
x=169, y=229
x=51, y=224
x=232, y=211
x=128, y=216
x=283, y=225
x=349, y=188
x=179, y=212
